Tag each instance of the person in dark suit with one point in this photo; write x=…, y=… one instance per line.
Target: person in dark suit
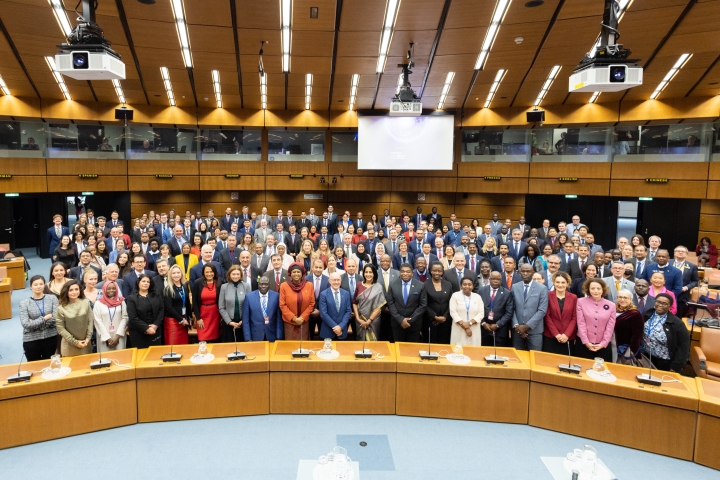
x=689, y=277
x=456, y=274
x=320, y=283
x=642, y=298
x=289, y=220
x=176, y=241
x=418, y=217
x=146, y=314
x=498, y=262
x=407, y=301
x=435, y=215
x=251, y=274
x=499, y=308
x=335, y=310
x=259, y=259
x=277, y=272
x=437, y=314
x=509, y=271
x=78, y=273
x=349, y=283
x=567, y=255
x=530, y=299
x=261, y=313
x=523, y=227
x=130, y=279
x=517, y=245
x=575, y=266
x=231, y=255
x=544, y=231
x=403, y=256
x=55, y=233
x=293, y=241
x=226, y=220
x=207, y=254
x=472, y=259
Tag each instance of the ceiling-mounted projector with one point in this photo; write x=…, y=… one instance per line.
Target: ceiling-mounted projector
x=405, y=103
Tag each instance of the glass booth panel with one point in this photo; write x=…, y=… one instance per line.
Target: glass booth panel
x=162, y=143
x=592, y=144
x=289, y=145
x=224, y=144
x=663, y=143
x=494, y=145
x=22, y=139
x=345, y=146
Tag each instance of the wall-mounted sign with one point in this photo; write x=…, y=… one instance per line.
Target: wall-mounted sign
x=568, y=179
x=234, y=195
x=88, y=175
x=297, y=175
x=645, y=199
x=492, y=178
x=5, y=176
x=570, y=196
x=656, y=180
x=12, y=194
x=421, y=197
x=164, y=175
x=313, y=196
x=232, y=175
x=88, y=193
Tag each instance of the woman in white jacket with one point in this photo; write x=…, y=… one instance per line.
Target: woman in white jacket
x=467, y=311
x=111, y=318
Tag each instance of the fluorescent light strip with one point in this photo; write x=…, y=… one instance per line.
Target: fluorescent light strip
x=168, y=86
x=119, y=91
x=4, y=87
x=546, y=86
x=594, y=97
x=353, y=89
x=493, y=88
x=446, y=89
x=61, y=17
x=263, y=90
x=216, y=87
x=671, y=74
x=58, y=78
x=624, y=5
x=391, y=11
x=308, y=90
x=286, y=32
x=178, y=9
x=501, y=8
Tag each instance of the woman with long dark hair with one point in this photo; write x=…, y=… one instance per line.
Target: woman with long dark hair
x=206, y=295
x=145, y=314
x=74, y=321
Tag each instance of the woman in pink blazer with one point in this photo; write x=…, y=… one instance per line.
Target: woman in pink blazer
x=561, y=317
x=595, y=321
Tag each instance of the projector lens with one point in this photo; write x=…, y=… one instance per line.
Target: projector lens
x=80, y=60
x=617, y=74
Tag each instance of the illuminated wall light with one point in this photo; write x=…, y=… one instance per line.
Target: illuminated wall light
x=178, y=9
x=624, y=5
x=446, y=89
x=58, y=78
x=681, y=62
x=168, y=86
x=61, y=17
x=501, y=8
x=386, y=36
x=286, y=32
x=216, y=87
x=546, y=86
x=308, y=90
x=263, y=90
x=493, y=88
x=353, y=89
x=119, y=91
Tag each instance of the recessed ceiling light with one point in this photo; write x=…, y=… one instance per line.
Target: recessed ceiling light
x=534, y=3
x=3, y=87
x=61, y=17
x=354, y=82
x=388, y=25
x=58, y=78
x=178, y=9
x=546, y=86
x=446, y=88
x=684, y=58
x=493, y=88
x=168, y=86
x=501, y=8
x=285, y=32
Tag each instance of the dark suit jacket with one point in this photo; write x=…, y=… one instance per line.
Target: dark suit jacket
x=414, y=309
x=512, y=253
x=524, y=228
x=573, y=268
x=478, y=259
x=497, y=264
x=264, y=262
x=689, y=279
x=52, y=238
x=226, y=261
x=77, y=273
x=196, y=271
x=563, y=260
x=287, y=222
x=451, y=276
x=254, y=327
x=331, y=316
x=516, y=278
x=130, y=281
x=324, y=284
x=175, y=249
x=270, y=275
x=503, y=307
x=226, y=221
x=397, y=260
x=345, y=283
x=303, y=224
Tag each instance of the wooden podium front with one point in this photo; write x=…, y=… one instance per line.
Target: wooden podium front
x=184, y=390
x=707, y=437
x=340, y=386
x=625, y=412
x=16, y=271
x=476, y=391
x=83, y=401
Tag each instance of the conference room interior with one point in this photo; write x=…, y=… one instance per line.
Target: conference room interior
x=285, y=105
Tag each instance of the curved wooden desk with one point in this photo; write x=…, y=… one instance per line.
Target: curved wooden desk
x=183, y=390
x=656, y=419
x=476, y=391
x=707, y=438
x=83, y=401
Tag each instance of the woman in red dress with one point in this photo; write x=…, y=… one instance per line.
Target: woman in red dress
x=205, y=295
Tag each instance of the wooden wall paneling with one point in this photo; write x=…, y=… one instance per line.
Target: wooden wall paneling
x=672, y=189
x=426, y=173
x=362, y=184
x=137, y=209
x=256, y=196
x=431, y=198
x=159, y=196
x=73, y=183
x=230, y=117
x=296, y=168
x=20, y=108
x=574, y=169
x=490, y=199
x=367, y=208
x=343, y=119
x=23, y=166
x=290, y=118
x=155, y=167
x=64, y=110
x=495, y=117
x=550, y=186
x=424, y=185
x=710, y=207
x=493, y=169
x=24, y=184
x=671, y=170
x=582, y=114
x=714, y=172
x=72, y=166
x=710, y=223
x=146, y=182
x=222, y=167
x=484, y=213
x=245, y=182
x=374, y=196
x=351, y=169
x=713, y=190
x=307, y=183
x=294, y=200
x=158, y=114
x=505, y=185
x=671, y=108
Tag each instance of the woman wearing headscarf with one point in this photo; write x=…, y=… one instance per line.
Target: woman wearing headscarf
x=111, y=318
x=297, y=301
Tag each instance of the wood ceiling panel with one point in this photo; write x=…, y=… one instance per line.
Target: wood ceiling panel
x=319, y=80
x=249, y=64
x=642, y=36
x=470, y=13
x=211, y=39
x=461, y=40
x=312, y=44
x=214, y=61
x=640, y=5
x=581, y=8
x=151, y=33
x=358, y=44
x=519, y=13
x=154, y=58
x=161, y=11
x=276, y=103
x=208, y=12
x=249, y=40
x=351, y=65
x=454, y=63
x=419, y=15
x=254, y=14
x=363, y=15
x=423, y=40
x=704, y=17
x=301, y=15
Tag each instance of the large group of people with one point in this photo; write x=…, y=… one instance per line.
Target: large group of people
x=414, y=277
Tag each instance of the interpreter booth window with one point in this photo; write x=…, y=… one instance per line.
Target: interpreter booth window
x=592, y=144
x=22, y=139
x=345, y=147
x=715, y=150
x=163, y=143
x=495, y=145
x=223, y=144
x=294, y=145
x=663, y=143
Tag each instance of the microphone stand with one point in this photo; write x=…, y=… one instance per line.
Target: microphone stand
x=647, y=378
x=172, y=356
x=300, y=352
x=20, y=376
x=236, y=355
x=363, y=353
x=102, y=363
x=570, y=368
x=493, y=359
x=428, y=355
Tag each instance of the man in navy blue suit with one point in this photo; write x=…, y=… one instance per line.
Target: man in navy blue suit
x=320, y=283
x=207, y=257
x=335, y=310
x=55, y=233
x=517, y=246
x=130, y=279
x=261, y=313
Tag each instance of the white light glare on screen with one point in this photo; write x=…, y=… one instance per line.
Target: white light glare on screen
x=178, y=9
x=446, y=89
x=386, y=36
x=546, y=86
x=498, y=14
x=119, y=91
x=61, y=17
x=58, y=78
x=493, y=88
x=353, y=89
x=671, y=74
x=308, y=90
x=263, y=90
x=285, y=32
x=168, y=86
x=216, y=88
x=624, y=5
x=3, y=87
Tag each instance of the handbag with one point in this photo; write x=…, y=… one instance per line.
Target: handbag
x=627, y=357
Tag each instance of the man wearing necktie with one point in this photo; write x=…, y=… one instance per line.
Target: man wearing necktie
x=335, y=310
x=320, y=283
x=530, y=300
x=518, y=246
x=407, y=301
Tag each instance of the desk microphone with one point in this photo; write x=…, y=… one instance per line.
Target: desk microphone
x=428, y=355
x=647, y=378
x=172, y=356
x=20, y=376
x=570, y=368
x=236, y=355
x=300, y=353
x=363, y=353
x=100, y=363
x=494, y=359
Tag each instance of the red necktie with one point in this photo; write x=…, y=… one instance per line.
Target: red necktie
x=472, y=263
x=277, y=281
x=492, y=297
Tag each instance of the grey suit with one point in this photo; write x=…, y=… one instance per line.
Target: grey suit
x=530, y=310
x=261, y=234
x=392, y=276
x=624, y=285
x=264, y=261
